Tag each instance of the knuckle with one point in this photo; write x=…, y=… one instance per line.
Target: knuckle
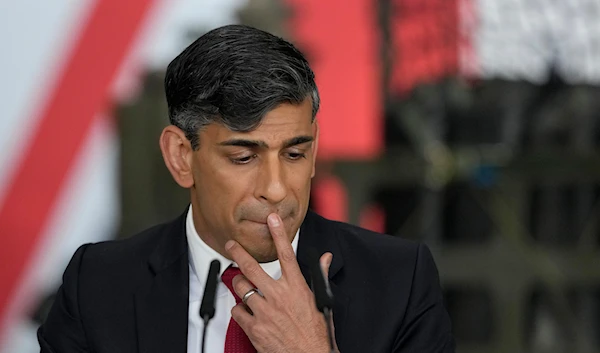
x=235, y=313
x=280, y=305
x=238, y=281
x=239, y=290
x=260, y=331
x=287, y=256
x=279, y=293
x=253, y=270
x=255, y=330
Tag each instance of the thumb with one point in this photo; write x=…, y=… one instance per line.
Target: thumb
x=325, y=262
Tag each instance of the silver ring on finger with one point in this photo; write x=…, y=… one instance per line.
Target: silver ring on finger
x=248, y=295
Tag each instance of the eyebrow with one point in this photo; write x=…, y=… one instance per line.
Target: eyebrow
x=244, y=143
x=298, y=140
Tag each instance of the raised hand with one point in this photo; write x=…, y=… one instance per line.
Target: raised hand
x=284, y=318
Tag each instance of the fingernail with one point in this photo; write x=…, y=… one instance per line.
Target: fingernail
x=229, y=244
x=273, y=219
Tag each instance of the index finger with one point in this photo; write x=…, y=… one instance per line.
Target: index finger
x=248, y=265
x=285, y=252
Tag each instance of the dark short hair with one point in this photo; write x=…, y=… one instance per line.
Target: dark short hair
x=234, y=75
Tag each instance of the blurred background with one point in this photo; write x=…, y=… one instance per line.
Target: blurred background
x=470, y=125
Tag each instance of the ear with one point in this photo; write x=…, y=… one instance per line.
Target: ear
x=315, y=146
x=177, y=154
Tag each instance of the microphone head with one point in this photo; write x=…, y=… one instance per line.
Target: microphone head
x=322, y=291
x=207, y=308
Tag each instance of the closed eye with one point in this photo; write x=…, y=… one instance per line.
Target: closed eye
x=295, y=156
x=243, y=160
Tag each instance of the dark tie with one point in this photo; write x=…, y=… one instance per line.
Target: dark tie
x=236, y=340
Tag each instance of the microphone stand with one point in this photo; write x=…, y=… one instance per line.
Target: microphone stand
x=207, y=308
x=323, y=297
x=327, y=315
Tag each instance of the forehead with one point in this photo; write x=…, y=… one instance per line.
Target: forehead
x=282, y=123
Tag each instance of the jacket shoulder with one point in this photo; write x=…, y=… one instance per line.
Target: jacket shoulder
x=126, y=261
x=378, y=258
x=125, y=250
x=359, y=240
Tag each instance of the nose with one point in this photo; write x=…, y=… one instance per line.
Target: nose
x=270, y=184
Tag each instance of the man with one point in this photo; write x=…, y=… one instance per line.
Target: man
x=243, y=139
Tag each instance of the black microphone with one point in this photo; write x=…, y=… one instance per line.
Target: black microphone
x=207, y=308
x=323, y=294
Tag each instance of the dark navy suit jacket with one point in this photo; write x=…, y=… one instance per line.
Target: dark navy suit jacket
x=132, y=295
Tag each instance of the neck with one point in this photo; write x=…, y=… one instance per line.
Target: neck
x=208, y=237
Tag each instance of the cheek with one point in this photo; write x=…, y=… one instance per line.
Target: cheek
x=301, y=183
x=219, y=189
x=231, y=187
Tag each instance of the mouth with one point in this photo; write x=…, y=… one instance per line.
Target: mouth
x=264, y=223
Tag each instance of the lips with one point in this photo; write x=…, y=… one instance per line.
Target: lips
x=262, y=220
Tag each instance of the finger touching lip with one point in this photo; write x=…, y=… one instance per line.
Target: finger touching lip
x=262, y=220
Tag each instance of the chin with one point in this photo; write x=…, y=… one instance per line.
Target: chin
x=258, y=242
x=262, y=254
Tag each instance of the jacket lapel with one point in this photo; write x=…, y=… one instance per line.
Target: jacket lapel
x=319, y=235
x=162, y=304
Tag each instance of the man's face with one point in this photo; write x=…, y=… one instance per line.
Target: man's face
x=242, y=177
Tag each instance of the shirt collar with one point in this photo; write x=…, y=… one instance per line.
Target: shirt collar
x=201, y=254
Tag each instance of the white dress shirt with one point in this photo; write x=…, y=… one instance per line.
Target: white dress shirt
x=200, y=257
